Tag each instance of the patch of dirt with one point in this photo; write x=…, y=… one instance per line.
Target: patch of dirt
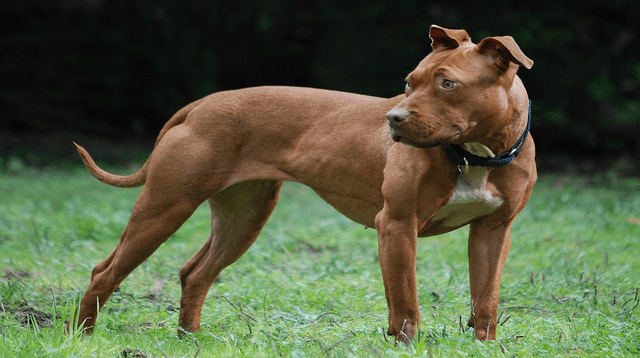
x=30, y=316
x=11, y=274
x=133, y=353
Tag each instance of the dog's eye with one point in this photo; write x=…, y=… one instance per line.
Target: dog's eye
x=407, y=86
x=448, y=84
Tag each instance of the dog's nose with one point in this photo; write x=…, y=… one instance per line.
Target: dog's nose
x=396, y=116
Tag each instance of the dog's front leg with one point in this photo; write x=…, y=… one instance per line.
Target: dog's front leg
x=489, y=245
x=397, y=240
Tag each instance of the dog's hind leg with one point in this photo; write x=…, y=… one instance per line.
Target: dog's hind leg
x=237, y=216
x=156, y=215
x=176, y=184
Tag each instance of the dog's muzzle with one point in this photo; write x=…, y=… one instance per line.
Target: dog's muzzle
x=395, y=117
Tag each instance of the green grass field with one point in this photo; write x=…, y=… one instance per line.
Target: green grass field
x=311, y=285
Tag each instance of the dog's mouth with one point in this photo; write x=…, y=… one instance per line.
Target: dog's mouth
x=422, y=143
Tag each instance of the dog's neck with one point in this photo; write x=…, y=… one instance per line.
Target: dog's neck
x=516, y=124
x=483, y=155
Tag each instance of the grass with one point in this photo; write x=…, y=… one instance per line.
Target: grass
x=311, y=285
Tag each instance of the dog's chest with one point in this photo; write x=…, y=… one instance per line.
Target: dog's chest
x=470, y=200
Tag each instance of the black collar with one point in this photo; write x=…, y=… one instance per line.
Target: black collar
x=462, y=158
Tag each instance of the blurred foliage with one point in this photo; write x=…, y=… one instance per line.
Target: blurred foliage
x=123, y=67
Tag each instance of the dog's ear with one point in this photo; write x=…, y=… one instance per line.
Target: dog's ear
x=503, y=50
x=442, y=38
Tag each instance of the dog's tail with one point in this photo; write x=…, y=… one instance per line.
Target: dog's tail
x=129, y=181
x=138, y=178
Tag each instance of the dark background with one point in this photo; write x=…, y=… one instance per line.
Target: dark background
x=109, y=73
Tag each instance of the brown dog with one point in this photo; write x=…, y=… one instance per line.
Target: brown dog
x=236, y=148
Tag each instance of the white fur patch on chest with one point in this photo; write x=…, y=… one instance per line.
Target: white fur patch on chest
x=471, y=198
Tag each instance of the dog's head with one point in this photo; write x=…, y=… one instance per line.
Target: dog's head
x=460, y=92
